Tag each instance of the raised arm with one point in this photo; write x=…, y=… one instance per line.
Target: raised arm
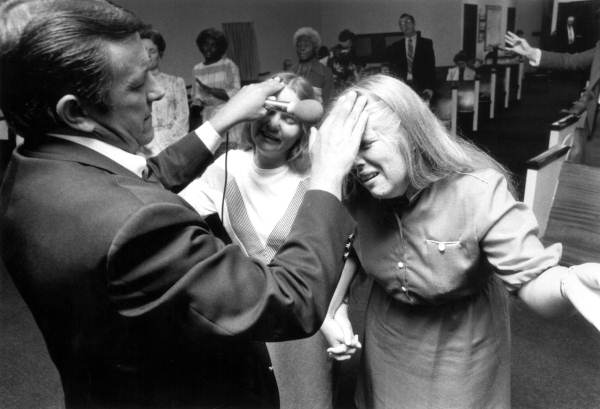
x=548, y=59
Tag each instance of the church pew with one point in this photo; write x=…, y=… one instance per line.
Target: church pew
x=541, y=181
x=575, y=214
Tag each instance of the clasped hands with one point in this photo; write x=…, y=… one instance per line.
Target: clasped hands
x=338, y=332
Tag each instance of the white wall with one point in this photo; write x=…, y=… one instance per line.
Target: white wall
x=180, y=21
x=529, y=19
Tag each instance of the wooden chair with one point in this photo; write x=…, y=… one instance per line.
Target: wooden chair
x=541, y=182
x=563, y=130
x=565, y=198
x=488, y=79
x=575, y=214
x=455, y=98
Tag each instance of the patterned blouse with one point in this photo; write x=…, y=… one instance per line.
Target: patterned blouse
x=222, y=74
x=170, y=115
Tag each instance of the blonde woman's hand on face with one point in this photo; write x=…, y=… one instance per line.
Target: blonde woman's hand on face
x=335, y=145
x=581, y=286
x=519, y=45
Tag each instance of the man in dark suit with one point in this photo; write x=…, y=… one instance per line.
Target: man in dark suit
x=412, y=59
x=138, y=302
x=569, y=36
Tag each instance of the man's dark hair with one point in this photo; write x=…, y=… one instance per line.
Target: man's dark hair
x=346, y=35
x=218, y=36
x=156, y=37
x=61, y=50
x=406, y=15
x=460, y=56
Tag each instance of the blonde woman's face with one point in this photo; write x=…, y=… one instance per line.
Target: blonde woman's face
x=276, y=134
x=379, y=166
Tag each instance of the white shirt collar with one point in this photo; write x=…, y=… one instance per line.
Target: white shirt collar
x=134, y=163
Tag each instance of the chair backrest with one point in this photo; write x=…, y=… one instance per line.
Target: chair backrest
x=575, y=214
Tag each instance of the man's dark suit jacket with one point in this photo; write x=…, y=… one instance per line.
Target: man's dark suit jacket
x=139, y=304
x=562, y=39
x=423, y=69
x=581, y=61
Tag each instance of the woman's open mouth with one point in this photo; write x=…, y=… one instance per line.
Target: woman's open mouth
x=366, y=176
x=270, y=138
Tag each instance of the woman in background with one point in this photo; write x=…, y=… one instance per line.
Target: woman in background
x=307, y=42
x=443, y=237
x=216, y=79
x=170, y=115
x=461, y=71
x=257, y=198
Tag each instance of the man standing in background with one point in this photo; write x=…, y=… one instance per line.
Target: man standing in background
x=412, y=59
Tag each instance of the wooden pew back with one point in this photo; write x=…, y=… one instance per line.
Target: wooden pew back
x=575, y=214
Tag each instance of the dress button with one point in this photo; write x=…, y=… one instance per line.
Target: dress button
x=441, y=247
x=400, y=264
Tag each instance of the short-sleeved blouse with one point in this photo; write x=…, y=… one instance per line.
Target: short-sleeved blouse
x=437, y=320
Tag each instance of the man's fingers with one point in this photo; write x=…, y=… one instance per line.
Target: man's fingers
x=342, y=108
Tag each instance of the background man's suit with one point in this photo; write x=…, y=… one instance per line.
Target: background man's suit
x=423, y=68
x=136, y=299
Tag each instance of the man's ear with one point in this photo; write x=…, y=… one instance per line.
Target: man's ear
x=72, y=113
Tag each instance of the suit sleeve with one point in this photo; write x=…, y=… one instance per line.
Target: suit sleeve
x=430, y=65
x=566, y=61
x=165, y=264
x=180, y=163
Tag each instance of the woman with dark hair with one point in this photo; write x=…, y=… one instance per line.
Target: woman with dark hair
x=170, y=115
x=445, y=241
x=342, y=62
x=257, y=197
x=217, y=78
x=461, y=71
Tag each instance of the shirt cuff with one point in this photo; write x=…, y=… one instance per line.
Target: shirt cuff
x=536, y=58
x=209, y=137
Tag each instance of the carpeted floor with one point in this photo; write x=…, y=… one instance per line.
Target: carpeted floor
x=556, y=365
